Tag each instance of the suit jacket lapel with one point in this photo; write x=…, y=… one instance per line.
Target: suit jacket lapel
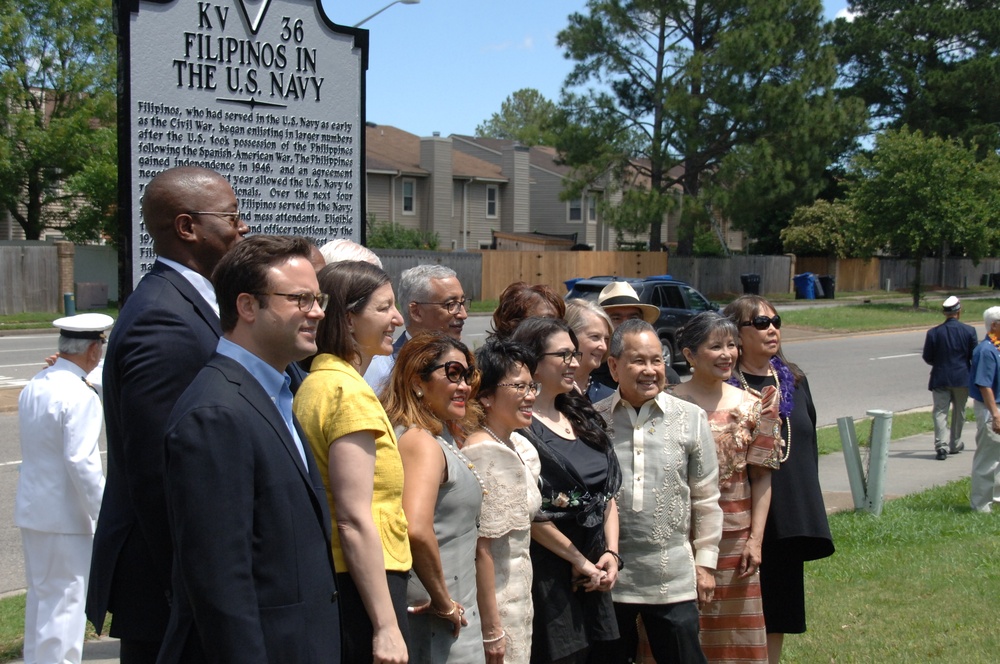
x=190, y=293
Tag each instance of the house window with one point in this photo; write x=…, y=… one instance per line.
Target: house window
x=576, y=210
x=491, y=201
x=592, y=209
x=409, y=196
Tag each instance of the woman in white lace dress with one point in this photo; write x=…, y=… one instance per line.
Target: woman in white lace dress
x=509, y=467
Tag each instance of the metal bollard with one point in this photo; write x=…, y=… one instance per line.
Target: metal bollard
x=878, y=458
x=868, y=492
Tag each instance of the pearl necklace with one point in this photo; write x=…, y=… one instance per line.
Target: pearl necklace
x=464, y=459
x=777, y=387
x=496, y=437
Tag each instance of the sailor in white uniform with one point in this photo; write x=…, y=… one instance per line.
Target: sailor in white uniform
x=59, y=490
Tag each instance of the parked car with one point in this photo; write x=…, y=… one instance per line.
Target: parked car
x=677, y=302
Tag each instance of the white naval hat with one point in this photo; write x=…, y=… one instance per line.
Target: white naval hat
x=84, y=326
x=951, y=305
x=621, y=294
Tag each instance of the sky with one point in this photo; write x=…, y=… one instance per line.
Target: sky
x=448, y=65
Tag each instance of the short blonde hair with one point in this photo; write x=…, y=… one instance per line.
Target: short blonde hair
x=576, y=315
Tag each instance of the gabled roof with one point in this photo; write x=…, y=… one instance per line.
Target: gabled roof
x=391, y=149
x=539, y=156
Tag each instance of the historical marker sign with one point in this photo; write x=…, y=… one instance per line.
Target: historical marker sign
x=269, y=93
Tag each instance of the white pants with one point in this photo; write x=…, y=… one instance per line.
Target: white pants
x=56, y=566
x=985, y=462
x=945, y=398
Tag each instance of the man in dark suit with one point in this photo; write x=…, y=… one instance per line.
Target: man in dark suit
x=166, y=332
x=253, y=569
x=948, y=349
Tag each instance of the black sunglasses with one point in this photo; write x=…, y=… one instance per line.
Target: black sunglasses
x=763, y=322
x=455, y=372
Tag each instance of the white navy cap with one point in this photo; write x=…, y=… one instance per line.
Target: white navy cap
x=951, y=305
x=84, y=326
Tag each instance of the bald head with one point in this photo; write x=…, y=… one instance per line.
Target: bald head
x=178, y=208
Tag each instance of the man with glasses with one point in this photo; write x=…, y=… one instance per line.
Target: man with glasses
x=669, y=517
x=431, y=300
x=167, y=330
x=254, y=577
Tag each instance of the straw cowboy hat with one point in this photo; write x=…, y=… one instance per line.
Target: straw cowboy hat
x=619, y=294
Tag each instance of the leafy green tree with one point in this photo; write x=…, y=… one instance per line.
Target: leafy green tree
x=731, y=99
x=822, y=229
x=927, y=64
x=915, y=196
x=57, y=89
x=525, y=116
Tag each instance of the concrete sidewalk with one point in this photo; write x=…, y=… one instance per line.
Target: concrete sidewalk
x=911, y=469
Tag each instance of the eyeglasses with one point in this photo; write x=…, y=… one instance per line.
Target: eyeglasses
x=522, y=389
x=566, y=355
x=455, y=372
x=305, y=301
x=763, y=322
x=232, y=217
x=452, y=306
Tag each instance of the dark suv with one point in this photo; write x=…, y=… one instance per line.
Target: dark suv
x=677, y=302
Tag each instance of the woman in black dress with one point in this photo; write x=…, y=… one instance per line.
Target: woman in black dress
x=797, y=529
x=575, y=537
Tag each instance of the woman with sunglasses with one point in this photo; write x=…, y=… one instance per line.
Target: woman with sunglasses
x=797, y=529
x=593, y=330
x=354, y=443
x=503, y=567
x=428, y=401
x=747, y=443
x=575, y=535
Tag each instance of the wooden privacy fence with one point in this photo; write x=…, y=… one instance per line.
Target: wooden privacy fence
x=716, y=276
x=502, y=268
x=29, y=278
x=850, y=274
x=468, y=265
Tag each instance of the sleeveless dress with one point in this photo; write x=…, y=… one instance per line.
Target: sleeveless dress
x=456, y=517
x=732, y=627
x=511, y=479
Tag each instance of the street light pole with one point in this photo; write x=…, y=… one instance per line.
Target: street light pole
x=404, y=2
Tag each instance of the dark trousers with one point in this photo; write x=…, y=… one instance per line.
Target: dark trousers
x=133, y=651
x=672, y=630
x=356, y=627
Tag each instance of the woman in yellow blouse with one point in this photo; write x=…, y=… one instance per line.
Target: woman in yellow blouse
x=353, y=440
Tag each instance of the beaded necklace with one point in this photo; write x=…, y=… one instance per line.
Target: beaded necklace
x=496, y=437
x=464, y=459
x=781, y=398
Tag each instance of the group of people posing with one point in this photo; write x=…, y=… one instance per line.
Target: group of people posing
x=288, y=481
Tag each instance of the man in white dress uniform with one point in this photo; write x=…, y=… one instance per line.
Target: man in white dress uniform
x=59, y=490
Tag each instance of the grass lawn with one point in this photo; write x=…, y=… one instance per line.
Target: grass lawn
x=913, y=585
x=881, y=316
x=39, y=320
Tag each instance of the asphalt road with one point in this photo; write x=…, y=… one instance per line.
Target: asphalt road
x=848, y=376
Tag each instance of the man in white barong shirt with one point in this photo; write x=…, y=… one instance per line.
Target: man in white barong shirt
x=669, y=516
x=59, y=490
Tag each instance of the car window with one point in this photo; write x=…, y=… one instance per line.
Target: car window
x=696, y=301
x=670, y=297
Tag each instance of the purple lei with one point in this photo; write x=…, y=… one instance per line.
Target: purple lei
x=785, y=379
